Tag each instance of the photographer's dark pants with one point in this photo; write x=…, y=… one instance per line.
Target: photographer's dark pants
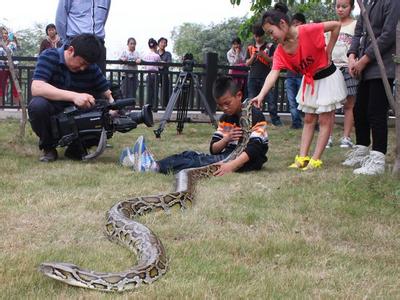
x=40, y=111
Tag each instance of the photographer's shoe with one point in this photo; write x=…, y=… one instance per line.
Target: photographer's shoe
x=126, y=158
x=143, y=158
x=49, y=155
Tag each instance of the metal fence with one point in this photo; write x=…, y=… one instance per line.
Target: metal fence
x=164, y=82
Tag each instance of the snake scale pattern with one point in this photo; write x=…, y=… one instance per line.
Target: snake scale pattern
x=123, y=229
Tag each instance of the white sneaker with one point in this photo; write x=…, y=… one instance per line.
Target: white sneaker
x=330, y=143
x=143, y=158
x=345, y=142
x=373, y=164
x=355, y=156
x=126, y=158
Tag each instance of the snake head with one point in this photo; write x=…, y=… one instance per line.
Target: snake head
x=64, y=272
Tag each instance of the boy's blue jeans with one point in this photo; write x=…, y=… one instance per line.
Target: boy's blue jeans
x=292, y=85
x=188, y=159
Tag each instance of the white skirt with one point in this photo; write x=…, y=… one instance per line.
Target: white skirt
x=329, y=94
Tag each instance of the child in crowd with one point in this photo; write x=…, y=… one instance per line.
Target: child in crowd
x=259, y=59
x=371, y=107
x=130, y=80
x=166, y=57
x=293, y=82
x=339, y=58
x=228, y=96
x=237, y=57
x=151, y=81
x=10, y=42
x=302, y=49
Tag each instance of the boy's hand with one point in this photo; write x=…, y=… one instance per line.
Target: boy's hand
x=263, y=54
x=233, y=134
x=223, y=168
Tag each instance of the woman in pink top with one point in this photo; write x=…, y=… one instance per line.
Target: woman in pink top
x=302, y=49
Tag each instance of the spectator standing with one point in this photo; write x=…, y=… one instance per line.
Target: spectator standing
x=166, y=57
x=52, y=39
x=339, y=58
x=10, y=42
x=151, y=81
x=371, y=107
x=293, y=82
x=77, y=17
x=259, y=59
x=130, y=80
x=303, y=49
x=237, y=57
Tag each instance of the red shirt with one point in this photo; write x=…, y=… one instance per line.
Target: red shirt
x=310, y=55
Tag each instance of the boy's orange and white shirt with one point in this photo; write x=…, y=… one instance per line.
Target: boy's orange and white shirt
x=258, y=143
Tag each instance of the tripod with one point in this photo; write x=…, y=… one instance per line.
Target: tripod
x=180, y=97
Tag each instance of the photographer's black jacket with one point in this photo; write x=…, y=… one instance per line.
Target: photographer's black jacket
x=258, y=144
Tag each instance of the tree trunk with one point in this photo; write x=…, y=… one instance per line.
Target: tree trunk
x=396, y=168
x=18, y=88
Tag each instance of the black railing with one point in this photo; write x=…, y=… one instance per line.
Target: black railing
x=117, y=70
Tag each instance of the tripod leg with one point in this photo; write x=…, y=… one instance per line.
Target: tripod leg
x=182, y=109
x=168, y=112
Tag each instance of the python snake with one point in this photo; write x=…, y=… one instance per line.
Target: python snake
x=121, y=228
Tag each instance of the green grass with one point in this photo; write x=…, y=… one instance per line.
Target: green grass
x=276, y=233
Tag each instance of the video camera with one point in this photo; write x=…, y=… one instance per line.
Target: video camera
x=84, y=129
x=187, y=62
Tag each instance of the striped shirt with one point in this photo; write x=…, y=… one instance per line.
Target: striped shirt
x=257, y=146
x=51, y=68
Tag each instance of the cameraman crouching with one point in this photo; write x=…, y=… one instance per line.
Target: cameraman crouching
x=63, y=77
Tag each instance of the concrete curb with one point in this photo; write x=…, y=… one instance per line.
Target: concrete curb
x=195, y=116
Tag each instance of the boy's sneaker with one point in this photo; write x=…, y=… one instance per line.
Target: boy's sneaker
x=300, y=162
x=373, y=164
x=330, y=143
x=355, y=156
x=313, y=164
x=126, y=158
x=345, y=142
x=143, y=159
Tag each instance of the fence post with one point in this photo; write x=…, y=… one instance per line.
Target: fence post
x=211, y=62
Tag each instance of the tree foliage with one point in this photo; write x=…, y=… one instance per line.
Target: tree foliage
x=199, y=39
x=314, y=10
x=29, y=39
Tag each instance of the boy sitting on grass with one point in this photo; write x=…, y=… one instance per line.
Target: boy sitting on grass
x=224, y=140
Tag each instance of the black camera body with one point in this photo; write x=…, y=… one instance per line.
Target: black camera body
x=187, y=62
x=87, y=128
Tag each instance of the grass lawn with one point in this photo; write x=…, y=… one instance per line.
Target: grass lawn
x=276, y=233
